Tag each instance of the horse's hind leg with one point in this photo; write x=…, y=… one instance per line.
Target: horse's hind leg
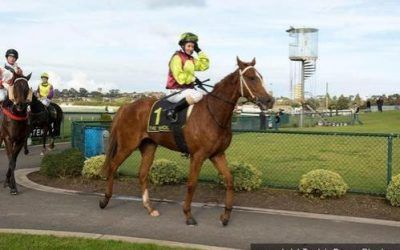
x=122, y=153
x=147, y=149
x=220, y=163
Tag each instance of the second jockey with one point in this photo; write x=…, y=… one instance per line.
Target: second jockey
x=45, y=90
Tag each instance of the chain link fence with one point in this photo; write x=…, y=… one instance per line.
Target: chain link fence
x=366, y=161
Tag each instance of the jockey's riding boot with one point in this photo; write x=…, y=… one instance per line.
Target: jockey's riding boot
x=179, y=106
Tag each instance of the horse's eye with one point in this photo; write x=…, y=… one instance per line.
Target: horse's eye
x=252, y=78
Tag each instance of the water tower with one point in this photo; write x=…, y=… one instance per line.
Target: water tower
x=303, y=54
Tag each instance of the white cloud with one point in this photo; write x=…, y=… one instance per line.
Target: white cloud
x=127, y=44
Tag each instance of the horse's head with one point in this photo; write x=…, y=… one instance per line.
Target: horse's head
x=252, y=85
x=21, y=94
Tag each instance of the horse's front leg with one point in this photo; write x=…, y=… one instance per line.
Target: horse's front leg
x=9, y=147
x=196, y=161
x=12, y=165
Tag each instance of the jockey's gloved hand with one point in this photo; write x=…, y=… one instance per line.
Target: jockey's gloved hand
x=196, y=48
x=197, y=81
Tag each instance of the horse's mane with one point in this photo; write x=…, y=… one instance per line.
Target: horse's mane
x=229, y=78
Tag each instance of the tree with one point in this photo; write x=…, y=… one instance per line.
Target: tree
x=73, y=92
x=313, y=103
x=96, y=94
x=83, y=92
x=113, y=92
x=342, y=103
x=57, y=93
x=357, y=100
x=65, y=93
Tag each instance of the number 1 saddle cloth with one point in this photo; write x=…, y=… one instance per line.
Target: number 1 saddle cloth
x=158, y=121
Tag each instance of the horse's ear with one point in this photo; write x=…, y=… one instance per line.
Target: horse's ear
x=240, y=63
x=253, y=62
x=28, y=77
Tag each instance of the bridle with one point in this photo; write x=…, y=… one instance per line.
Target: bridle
x=244, y=83
x=29, y=96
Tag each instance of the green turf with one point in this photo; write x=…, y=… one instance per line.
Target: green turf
x=284, y=158
x=24, y=241
x=376, y=122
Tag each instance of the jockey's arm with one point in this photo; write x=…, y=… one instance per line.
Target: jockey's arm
x=202, y=63
x=51, y=93
x=181, y=76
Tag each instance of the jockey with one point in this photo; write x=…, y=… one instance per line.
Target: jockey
x=45, y=90
x=11, y=64
x=7, y=73
x=181, y=74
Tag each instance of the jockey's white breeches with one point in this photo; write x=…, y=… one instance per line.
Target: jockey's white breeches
x=3, y=94
x=45, y=101
x=192, y=95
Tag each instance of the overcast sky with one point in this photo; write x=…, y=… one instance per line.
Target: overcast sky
x=127, y=44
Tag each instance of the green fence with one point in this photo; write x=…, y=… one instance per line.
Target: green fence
x=366, y=161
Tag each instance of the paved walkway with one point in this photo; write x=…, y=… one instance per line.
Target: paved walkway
x=33, y=209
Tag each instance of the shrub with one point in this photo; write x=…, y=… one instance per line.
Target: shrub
x=393, y=191
x=245, y=176
x=323, y=184
x=67, y=163
x=93, y=167
x=166, y=172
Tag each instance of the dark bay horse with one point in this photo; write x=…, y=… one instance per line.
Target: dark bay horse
x=207, y=133
x=41, y=117
x=14, y=127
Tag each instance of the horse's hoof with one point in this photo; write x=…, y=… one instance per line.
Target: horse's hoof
x=154, y=213
x=13, y=191
x=103, y=203
x=191, y=222
x=224, y=220
x=41, y=153
x=26, y=152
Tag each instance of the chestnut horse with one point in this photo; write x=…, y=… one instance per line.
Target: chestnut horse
x=207, y=133
x=14, y=128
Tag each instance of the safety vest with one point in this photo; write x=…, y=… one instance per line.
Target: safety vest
x=44, y=90
x=171, y=81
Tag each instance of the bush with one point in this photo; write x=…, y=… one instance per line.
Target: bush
x=166, y=172
x=323, y=184
x=245, y=177
x=93, y=167
x=67, y=163
x=393, y=191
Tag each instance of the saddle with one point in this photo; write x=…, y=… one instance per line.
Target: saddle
x=158, y=122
